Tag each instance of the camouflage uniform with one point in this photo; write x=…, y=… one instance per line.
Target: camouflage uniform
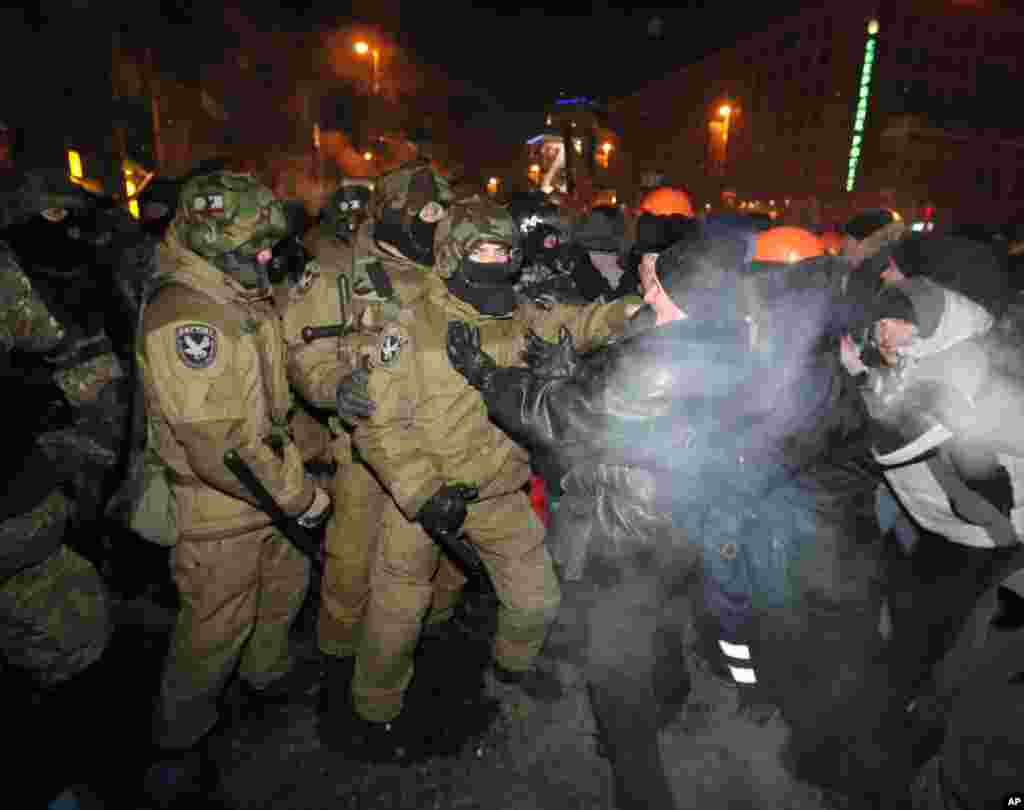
x=343, y=291
x=430, y=428
x=54, y=616
x=211, y=354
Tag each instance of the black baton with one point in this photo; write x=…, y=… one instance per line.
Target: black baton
x=311, y=333
x=298, y=536
x=454, y=543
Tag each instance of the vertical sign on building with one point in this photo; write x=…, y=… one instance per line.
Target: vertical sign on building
x=864, y=93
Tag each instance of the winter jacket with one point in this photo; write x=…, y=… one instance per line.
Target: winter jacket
x=950, y=432
x=213, y=371
x=430, y=427
x=631, y=426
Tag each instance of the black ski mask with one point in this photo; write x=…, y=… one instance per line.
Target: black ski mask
x=244, y=268
x=488, y=287
x=414, y=240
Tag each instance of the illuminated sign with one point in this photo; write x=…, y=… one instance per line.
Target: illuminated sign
x=862, y=105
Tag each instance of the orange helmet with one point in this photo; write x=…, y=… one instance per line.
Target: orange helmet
x=832, y=241
x=787, y=245
x=665, y=201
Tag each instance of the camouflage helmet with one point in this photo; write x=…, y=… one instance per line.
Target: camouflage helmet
x=222, y=211
x=470, y=222
x=405, y=190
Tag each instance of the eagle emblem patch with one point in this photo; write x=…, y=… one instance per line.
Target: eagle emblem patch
x=391, y=344
x=196, y=344
x=390, y=347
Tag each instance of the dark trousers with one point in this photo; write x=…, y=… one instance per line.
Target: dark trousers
x=636, y=676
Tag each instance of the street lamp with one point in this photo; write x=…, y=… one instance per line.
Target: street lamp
x=367, y=155
x=363, y=48
x=725, y=111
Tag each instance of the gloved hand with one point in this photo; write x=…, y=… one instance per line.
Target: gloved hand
x=466, y=356
x=353, y=396
x=445, y=512
x=548, y=359
x=318, y=511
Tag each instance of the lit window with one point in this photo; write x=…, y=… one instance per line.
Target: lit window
x=74, y=163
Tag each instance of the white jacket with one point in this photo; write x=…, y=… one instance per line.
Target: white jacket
x=995, y=420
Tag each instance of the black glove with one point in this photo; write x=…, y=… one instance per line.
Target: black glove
x=548, y=359
x=466, y=356
x=353, y=396
x=445, y=512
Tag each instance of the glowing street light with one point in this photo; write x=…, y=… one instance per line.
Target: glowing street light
x=367, y=155
x=606, y=147
x=363, y=48
x=492, y=185
x=725, y=112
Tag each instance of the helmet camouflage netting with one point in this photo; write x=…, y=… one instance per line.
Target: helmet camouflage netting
x=405, y=190
x=222, y=211
x=470, y=222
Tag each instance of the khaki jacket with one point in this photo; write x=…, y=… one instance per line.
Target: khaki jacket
x=431, y=427
x=341, y=291
x=213, y=369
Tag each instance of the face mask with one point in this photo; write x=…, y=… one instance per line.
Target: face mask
x=244, y=269
x=487, y=287
x=415, y=242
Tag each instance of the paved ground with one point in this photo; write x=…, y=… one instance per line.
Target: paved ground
x=840, y=741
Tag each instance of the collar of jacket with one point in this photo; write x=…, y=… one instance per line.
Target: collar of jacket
x=961, y=319
x=189, y=268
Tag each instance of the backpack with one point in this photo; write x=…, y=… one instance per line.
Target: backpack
x=145, y=502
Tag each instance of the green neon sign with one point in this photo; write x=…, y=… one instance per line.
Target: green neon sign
x=863, y=95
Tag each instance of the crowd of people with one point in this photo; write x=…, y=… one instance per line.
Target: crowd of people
x=711, y=404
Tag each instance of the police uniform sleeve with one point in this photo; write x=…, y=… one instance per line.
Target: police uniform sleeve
x=204, y=379
x=589, y=325
x=394, y=441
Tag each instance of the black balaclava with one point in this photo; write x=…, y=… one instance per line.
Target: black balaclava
x=405, y=229
x=242, y=266
x=489, y=288
x=289, y=260
x=414, y=239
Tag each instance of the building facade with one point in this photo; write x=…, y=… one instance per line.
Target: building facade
x=844, y=106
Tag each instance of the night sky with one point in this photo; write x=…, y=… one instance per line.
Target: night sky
x=524, y=57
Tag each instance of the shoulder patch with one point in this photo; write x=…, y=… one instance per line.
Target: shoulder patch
x=392, y=340
x=196, y=344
